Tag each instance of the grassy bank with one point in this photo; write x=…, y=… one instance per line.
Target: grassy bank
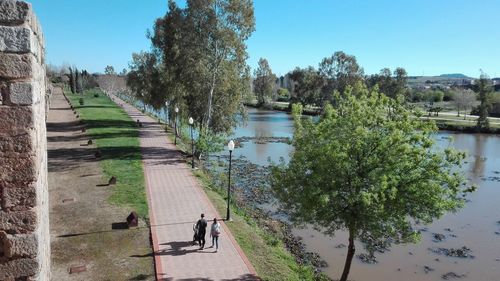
x=116, y=136
x=265, y=250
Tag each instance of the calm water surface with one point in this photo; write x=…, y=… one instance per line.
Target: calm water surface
x=474, y=226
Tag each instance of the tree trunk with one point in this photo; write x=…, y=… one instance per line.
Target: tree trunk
x=350, y=254
x=209, y=103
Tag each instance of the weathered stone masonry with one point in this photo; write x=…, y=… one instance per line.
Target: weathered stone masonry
x=24, y=225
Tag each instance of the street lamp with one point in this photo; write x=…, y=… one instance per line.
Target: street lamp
x=175, y=125
x=143, y=102
x=191, y=121
x=230, y=146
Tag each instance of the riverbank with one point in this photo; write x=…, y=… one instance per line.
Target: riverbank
x=447, y=123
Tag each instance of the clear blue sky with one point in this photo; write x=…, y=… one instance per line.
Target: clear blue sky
x=428, y=37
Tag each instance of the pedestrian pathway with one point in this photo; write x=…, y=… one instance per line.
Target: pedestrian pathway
x=176, y=201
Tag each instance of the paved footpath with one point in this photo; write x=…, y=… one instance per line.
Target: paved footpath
x=176, y=201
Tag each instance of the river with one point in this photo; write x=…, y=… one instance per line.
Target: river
x=476, y=226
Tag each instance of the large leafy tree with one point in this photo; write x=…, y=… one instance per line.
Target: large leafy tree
x=264, y=82
x=369, y=167
x=146, y=80
x=340, y=70
x=109, y=70
x=307, y=85
x=203, y=50
x=392, y=85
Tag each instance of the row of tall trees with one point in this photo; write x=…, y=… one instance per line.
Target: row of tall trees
x=80, y=80
x=197, y=62
x=311, y=86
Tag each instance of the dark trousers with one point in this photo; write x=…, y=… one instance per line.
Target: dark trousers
x=201, y=239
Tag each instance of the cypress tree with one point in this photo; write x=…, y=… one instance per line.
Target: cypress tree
x=71, y=80
x=78, y=84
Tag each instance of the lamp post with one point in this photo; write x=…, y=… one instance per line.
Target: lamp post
x=191, y=121
x=143, y=102
x=230, y=146
x=175, y=125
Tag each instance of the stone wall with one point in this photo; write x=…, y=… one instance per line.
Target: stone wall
x=24, y=225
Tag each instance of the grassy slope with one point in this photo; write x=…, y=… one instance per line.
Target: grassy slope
x=266, y=252
x=106, y=122
x=116, y=135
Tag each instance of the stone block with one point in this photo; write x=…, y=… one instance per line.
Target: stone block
x=14, y=66
x=20, y=245
x=18, y=268
x=18, y=198
x=13, y=118
x=23, y=93
x=18, y=222
x=18, y=169
x=16, y=142
x=14, y=12
x=15, y=39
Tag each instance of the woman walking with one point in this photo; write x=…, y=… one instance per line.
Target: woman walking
x=215, y=232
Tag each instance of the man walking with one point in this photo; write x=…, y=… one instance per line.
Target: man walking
x=201, y=225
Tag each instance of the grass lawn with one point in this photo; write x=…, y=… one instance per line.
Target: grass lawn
x=266, y=252
x=116, y=136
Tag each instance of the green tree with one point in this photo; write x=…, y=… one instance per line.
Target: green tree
x=369, y=167
x=392, y=85
x=78, y=81
x=72, y=84
x=340, y=70
x=109, y=70
x=307, y=85
x=484, y=89
x=204, y=55
x=145, y=79
x=283, y=94
x=264, y=82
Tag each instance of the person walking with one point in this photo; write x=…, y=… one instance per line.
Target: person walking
x=195, y=235
x=215, y=232
x=201, y=226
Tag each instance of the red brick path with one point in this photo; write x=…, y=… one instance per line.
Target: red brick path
x=176, y=201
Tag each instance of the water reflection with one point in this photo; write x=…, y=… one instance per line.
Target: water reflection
x=474, y=226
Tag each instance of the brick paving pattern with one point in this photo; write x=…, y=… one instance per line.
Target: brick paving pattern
x=176, y=201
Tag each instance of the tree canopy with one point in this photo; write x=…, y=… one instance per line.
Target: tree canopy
x=370, y=168
x=203, y=55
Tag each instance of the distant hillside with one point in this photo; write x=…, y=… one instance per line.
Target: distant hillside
x=454, y=75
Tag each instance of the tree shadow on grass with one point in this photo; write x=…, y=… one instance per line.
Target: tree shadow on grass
x=110, y=123
x=141, y=277
x=62, y=127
